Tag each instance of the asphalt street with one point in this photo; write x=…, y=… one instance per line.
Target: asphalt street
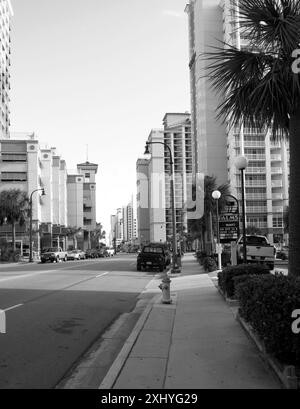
x=55, y=312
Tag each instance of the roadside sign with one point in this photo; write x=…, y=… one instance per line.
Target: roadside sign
x=229, y=227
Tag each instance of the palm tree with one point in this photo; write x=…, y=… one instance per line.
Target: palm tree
x=201, y=228
x=259, y=86
x=14, y=208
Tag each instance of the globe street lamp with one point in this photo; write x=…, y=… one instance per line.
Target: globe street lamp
x=216, y=195
x=175, y=267
x=30, y=223
x=241, y=163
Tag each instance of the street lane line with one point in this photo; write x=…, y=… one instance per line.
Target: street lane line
x=13, y=308
x=101, y=275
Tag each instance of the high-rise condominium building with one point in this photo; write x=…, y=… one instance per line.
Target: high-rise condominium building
x=209, y=141
x=154, y=206
x=177, y=135
x=266, y=177
x=6, y=12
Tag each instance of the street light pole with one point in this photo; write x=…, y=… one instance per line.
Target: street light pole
x=30, y=222
x=165, y=285
x=241, y=164
x=216, y=196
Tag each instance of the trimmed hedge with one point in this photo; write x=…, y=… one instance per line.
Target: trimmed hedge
x=201, y=255
x=209, y=264
x=226, y=278
x=267, y=302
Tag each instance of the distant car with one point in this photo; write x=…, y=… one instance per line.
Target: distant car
x=76, y=255
x=282, y=253
x=91, y=253
x=110, y=252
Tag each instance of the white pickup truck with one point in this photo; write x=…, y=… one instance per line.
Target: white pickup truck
x=259, y=250
x=54, y=255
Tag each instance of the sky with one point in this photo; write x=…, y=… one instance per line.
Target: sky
x=99, y=73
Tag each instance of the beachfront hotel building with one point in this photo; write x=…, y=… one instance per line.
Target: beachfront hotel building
x=217, y=145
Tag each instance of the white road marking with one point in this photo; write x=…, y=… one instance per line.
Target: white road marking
x=33, y=274
x=101, y=275
x=14, y=307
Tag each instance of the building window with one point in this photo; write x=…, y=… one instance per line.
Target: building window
x=14, y=157
x=14, y=176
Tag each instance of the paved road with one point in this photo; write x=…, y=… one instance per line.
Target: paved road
x=55, y=312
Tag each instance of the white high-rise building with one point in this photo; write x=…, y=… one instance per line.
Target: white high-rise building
x=267, y=174
x=6, y=13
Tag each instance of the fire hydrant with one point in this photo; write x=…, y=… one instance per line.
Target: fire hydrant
x=165, y=288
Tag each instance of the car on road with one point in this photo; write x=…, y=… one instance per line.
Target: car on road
x=153, y=256
x=110, y=252
x=76, y=255
x=282, y=253
x=54, y=255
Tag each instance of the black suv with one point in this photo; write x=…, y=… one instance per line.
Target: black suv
x=154, y=256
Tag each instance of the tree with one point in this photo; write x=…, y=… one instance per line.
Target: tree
x=261, y=87
x=14, y=208
x=201, y=228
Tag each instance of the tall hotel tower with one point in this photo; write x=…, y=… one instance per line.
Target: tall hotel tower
x=267, y=174
x=6, y=12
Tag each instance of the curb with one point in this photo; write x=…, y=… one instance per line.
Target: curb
x=114, y=371
x=285, y=373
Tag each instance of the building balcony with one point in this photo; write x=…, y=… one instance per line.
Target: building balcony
x=255, y=170
x=255, y=157
x=277, y=184
x=275, y=158
x=256, y=196
x=277, y=209
x=256, y=209
x=276, y=170
x=277, y=196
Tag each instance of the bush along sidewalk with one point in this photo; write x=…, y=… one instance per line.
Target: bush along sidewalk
x=208, y=262
x=229, y=276
x=267, y=303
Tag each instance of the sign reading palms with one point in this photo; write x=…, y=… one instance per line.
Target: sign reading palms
x=260, y=88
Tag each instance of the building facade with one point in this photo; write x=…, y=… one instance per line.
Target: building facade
x=267, y=174
x=177, y=134
x=69, y=204
x=6, y=13
x=24, y=165
x=209, y=134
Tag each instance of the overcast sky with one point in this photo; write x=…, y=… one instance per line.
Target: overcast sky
x=101, y=73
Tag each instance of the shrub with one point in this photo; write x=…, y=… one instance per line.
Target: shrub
x=9, y=255
x=267, y=303
x=209, y=264
x=227, y=275
x=201, y=255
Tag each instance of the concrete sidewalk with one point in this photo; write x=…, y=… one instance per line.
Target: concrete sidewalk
x=194, y=343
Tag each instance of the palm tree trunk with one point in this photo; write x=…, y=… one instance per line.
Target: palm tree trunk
x=13, y=235
x=294, y=196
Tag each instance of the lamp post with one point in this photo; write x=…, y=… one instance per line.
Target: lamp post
x=216, y=194
x=30, y=223
x=175, y=268
x=241, y=163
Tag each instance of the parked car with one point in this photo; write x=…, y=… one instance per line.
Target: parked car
x=101, y=253
x=282, y=253
x=153, y=256
x=76, y=255
x=54, y=255
x=91, y=253
x=110, y=252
